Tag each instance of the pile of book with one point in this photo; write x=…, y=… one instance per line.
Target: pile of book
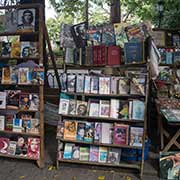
x=22, y=75
x=20, y=146
x=114, y=108
x=106, y=133
x=134, y=84
x=16, y=99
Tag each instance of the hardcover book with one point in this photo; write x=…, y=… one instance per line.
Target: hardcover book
x=9, y=122
x=80, y=131
x=71, y=80
x=12, y=99
x=6, y=49
x=106, y=136
x=97, y=132
x=4, y=143
x=114, y=155
x=87, y=84
x=12, y=148
x=94, y=107
x=114, y=56
x=94, y=84
x=114, y=108
x=75, y=152
x=2, y=123
x=2, y=100
x=23, y=76
x=124, y=86
x=124, y=110
x=6, y=75
x=94, y=154
x=103, y=153
x=104, y=108
x=136, y=136
x=84, y=154
x=24, y=102
x=138, y=108
x=121, y=133
x=81, y=108
x=104, y=85
x=80, y=83
x=15, y=49
x=68, y=150
x=72, y=107
x=33, y=150
x=89, y=132
x=34, y=102
x=70, y=130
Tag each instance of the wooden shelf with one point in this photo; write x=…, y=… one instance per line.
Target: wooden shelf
x=20, y=133
x=29, y=5
x=99, y=144
x=19, y=110
x=18, y=33
x=33, y=85
x=19, y=58
x=121, y=165
x=103, y=119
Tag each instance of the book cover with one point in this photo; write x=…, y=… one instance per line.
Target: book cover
x=97, y=132
x=15, y=49
x=94, y=84
x=14, y=75
x=33, y=150
x=106, y=135
x=75, y=152
x=84, y=154
x=69, y=56
x=175, y=39
x=72, y=107
x=23, y=76
x=6, y=75
x=4, y=143
x=89, y=55
x=34, y=49
x=87, y=84
x=21, y=146
x=25, y=49
x=108, y=37
x=71, y=80
x=114, y=155
x=121, y=133
x=130, y=109
x=2, y=100
x=124, y=110
x=134, y=52
x=114, y=84
x=10, y=22
x=37, y=75
x=103, y=153
x=34, y=102
x=24, y=102
x=9, y=122
x=94, y=154
x=2, y=123
x=6, y=49
x=124, y=86
x=138, y=108
x=94, y=107
x=64, y=104
x=104, y=108
x=63, y=81
x=136, y=136
x=17, y=125
x=176, y=57
x=114, y=56
x=80, y=83
x=80, y=131
x=35, y=126
x=26, y=124
x=81, y=108
x=89, y=132
x=104, y=85
x=26, y=20
x=60, y=129
x=70, y=130
x=12, y=148
x=12, y=99
x=68, y=150
x=159, y=38
x=114, y=108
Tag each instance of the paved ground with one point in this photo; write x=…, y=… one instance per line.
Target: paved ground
x=27, y=170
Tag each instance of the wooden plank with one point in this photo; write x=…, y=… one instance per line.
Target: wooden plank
x=17, y=157
x=29, y=5
x=20, y=133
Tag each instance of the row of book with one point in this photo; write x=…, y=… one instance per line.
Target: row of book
x=22, y=75
x=134, y=84
x=20, y=146
x=16, y=99
x=91, y=154
x=114, y=108
x=19, y=49
x=25, y=123
x=169, y=55
x=106, y=133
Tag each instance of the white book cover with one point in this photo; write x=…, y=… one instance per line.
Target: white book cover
x=106, y=136
x=94, y=108
x=87, y=84
x=25, y=49
x=130, y=109
x=2, y=100
x=80, y=83
x=2, y=122
x=23, y=75
x=104, y=85
x=94, y=84
x=136, y=136
x=63, y=106
x=114, y=84
x=104, y=108
x=114, y=108
x=138, y=108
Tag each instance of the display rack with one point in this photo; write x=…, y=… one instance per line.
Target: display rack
x=38, y=88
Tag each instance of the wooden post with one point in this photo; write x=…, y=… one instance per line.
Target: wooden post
x=87, y=12
x=115, y=16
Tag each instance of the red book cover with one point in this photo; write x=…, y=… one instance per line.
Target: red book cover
x=95, y=55
x=33, y=148
x=4, y=143
x=103, y=55
x=114, y=55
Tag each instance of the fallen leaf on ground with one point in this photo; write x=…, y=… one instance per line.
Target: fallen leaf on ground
x=50, y=168
x=21, y=177
x=101, y=177
x=128, y=178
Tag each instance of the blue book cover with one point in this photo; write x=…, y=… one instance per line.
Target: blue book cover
x=89, y=131
x=169, y=58
x=80, y=131
x=176, y=57
x=133, y=52
x=68, y=151
x=138, y=110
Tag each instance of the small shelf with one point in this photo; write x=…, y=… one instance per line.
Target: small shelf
x=19, y=58
x=103, y=119
x=19, y=110
x=20, y=133
x=121, y=165
x=99, y=144
x=18, y=33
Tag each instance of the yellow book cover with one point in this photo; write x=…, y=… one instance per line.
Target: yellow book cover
x=70, y=130
x=15, y=49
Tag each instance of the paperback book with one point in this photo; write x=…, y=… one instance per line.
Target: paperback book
x=103, y=153
x=15, y=49
x=106, y=135
x=23, y=76
x=68, y=150
x=71, y=80
x=80, y=83
x=84, y=154
x=2, y=100
x=124, y=110
x=2, y=123
x=114, y=108
x=64, y=103
x=87, y=84
x=33, y=150
x=114, y=155
x=81, y=108
x=104, y=108
x=9, y=122
x=136, y=136
x=124, y=86
x=6, y=75
x=138, y=108
x=72, y=107
x=75, y=152
x=94, y=84
x=70, y=130
x=80, y=131
x=34, y=102
x=6, y=49
x=4, y=143
x=94, y=107
x=104, y=85
x=12, y=99
x=24, y=102
x=94, y=154
x=89, y=132
x=12, y=148
x=114, y=84
x=17, y=125
x=97, y=132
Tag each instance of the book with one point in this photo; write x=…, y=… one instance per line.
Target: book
x=37, y=75
x=104, y=108
x=34, y=126
x=2, y=123
x=26, y=122
x=63, y=82
x=9, y=122
x=6, y=49
x=93, y=107
x=106, y=135
x=75, y=152
x=24, y=101
x=69, y=55
x=80, y=131
x=121, y=133
x=12, y=148
x=34, y=102
x=71, y=80
x=114, y=56
x=64, y=104
x=26, y=20
x=70, y=130
x=14, y=75
x=10, y=22
x=15, y=49
x=103, y=153
x=84, y=154
x=17, y=125
x=81, y=108
x=104, y=85
x=88, y=132
x=159, y=38
x=21, y=146
x=124, y=86
x=60, y=129
x=72, y=107
x=23, y=76
x=12, y=99
x=114, y=155
x=136, y=136
x=97, y=132
x=124, y=110
x=25, y=49
x=33, y=150
x=114, y=108
x=108, y=37
x=130, y=108
x=94, y=154
x=175, y=39
x=4, y=143
x=94, y=84
x=114, y=84
x=68, y=151
x=80, y=83
x=6, y=75
x=87, y=84
x=2, y=100
x=138, y=108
